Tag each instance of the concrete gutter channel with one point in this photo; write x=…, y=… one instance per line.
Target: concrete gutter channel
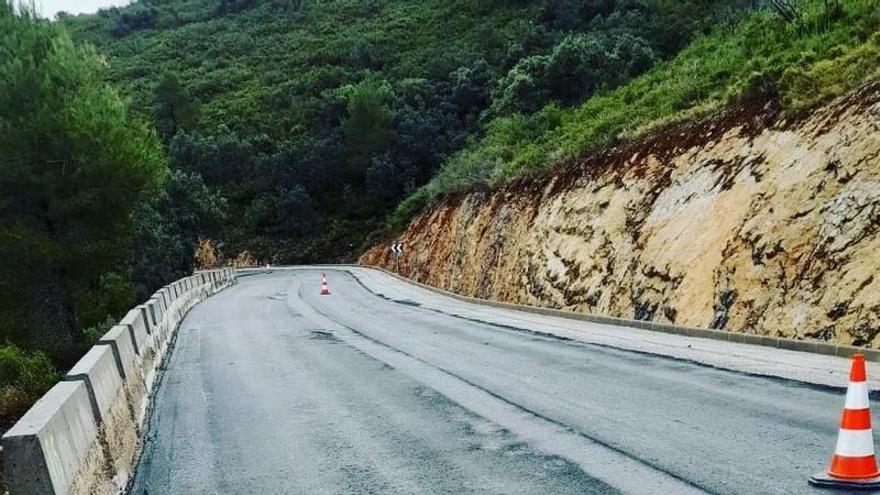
x=814, y=347
x=83, y=436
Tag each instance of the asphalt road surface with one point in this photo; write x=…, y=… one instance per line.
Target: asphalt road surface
x=272, y=388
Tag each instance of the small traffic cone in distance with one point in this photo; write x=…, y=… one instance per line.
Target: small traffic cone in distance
x=853, y=465
x=325, y=289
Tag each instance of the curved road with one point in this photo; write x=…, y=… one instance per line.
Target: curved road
x=272, y=388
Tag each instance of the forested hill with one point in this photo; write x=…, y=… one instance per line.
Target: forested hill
x=310, y=121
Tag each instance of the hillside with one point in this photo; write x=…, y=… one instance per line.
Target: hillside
x=314, y=119
x=746, y=221
x=740, y=197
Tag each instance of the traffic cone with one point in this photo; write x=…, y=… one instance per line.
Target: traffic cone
x=853, y=465
x=325, y=289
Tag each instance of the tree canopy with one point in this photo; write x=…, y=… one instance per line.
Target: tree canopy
x=75, y=164
x=313, y=120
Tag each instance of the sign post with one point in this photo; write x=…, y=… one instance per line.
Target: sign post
x=397, y=249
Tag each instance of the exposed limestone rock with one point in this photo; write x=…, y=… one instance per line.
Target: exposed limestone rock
x=745, y=222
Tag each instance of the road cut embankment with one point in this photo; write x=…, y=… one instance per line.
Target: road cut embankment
x=751, y=222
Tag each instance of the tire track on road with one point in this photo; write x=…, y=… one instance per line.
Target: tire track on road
x=597, y=458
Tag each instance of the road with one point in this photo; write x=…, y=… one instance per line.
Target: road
x=272, y=388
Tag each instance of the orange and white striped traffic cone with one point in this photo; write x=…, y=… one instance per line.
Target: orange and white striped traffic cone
x=853, y=465
x=325, y=289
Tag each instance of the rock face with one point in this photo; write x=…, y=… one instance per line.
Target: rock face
x=748, y=221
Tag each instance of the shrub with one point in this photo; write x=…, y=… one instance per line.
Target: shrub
x=206, y=255
x=24, y=377
x=94, y=333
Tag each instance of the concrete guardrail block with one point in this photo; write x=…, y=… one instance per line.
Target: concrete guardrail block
x=124, y=352
x=48, y=448
x=160, y=304
x=169, y=294
x=137, y=323
x=163, y=299
x=97, y=369
x=110, y=403
x=153, y=313
x=169, y=299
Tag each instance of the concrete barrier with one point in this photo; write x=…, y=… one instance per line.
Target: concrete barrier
x=82, y=436
x=51, y=448
x=122, y=347
x=116, y=419
x=129, y=365
x=164, y=299
x=98, y=370
x=138, y=325
x=153, y=312
x=144, y=319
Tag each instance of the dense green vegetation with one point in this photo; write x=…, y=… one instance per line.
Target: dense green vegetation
x=25, y=377
x=822, y=50
x=74, y=164
x=313, y=120
x=84, y=183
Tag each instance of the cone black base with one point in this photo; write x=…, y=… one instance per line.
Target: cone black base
x=824, y=480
